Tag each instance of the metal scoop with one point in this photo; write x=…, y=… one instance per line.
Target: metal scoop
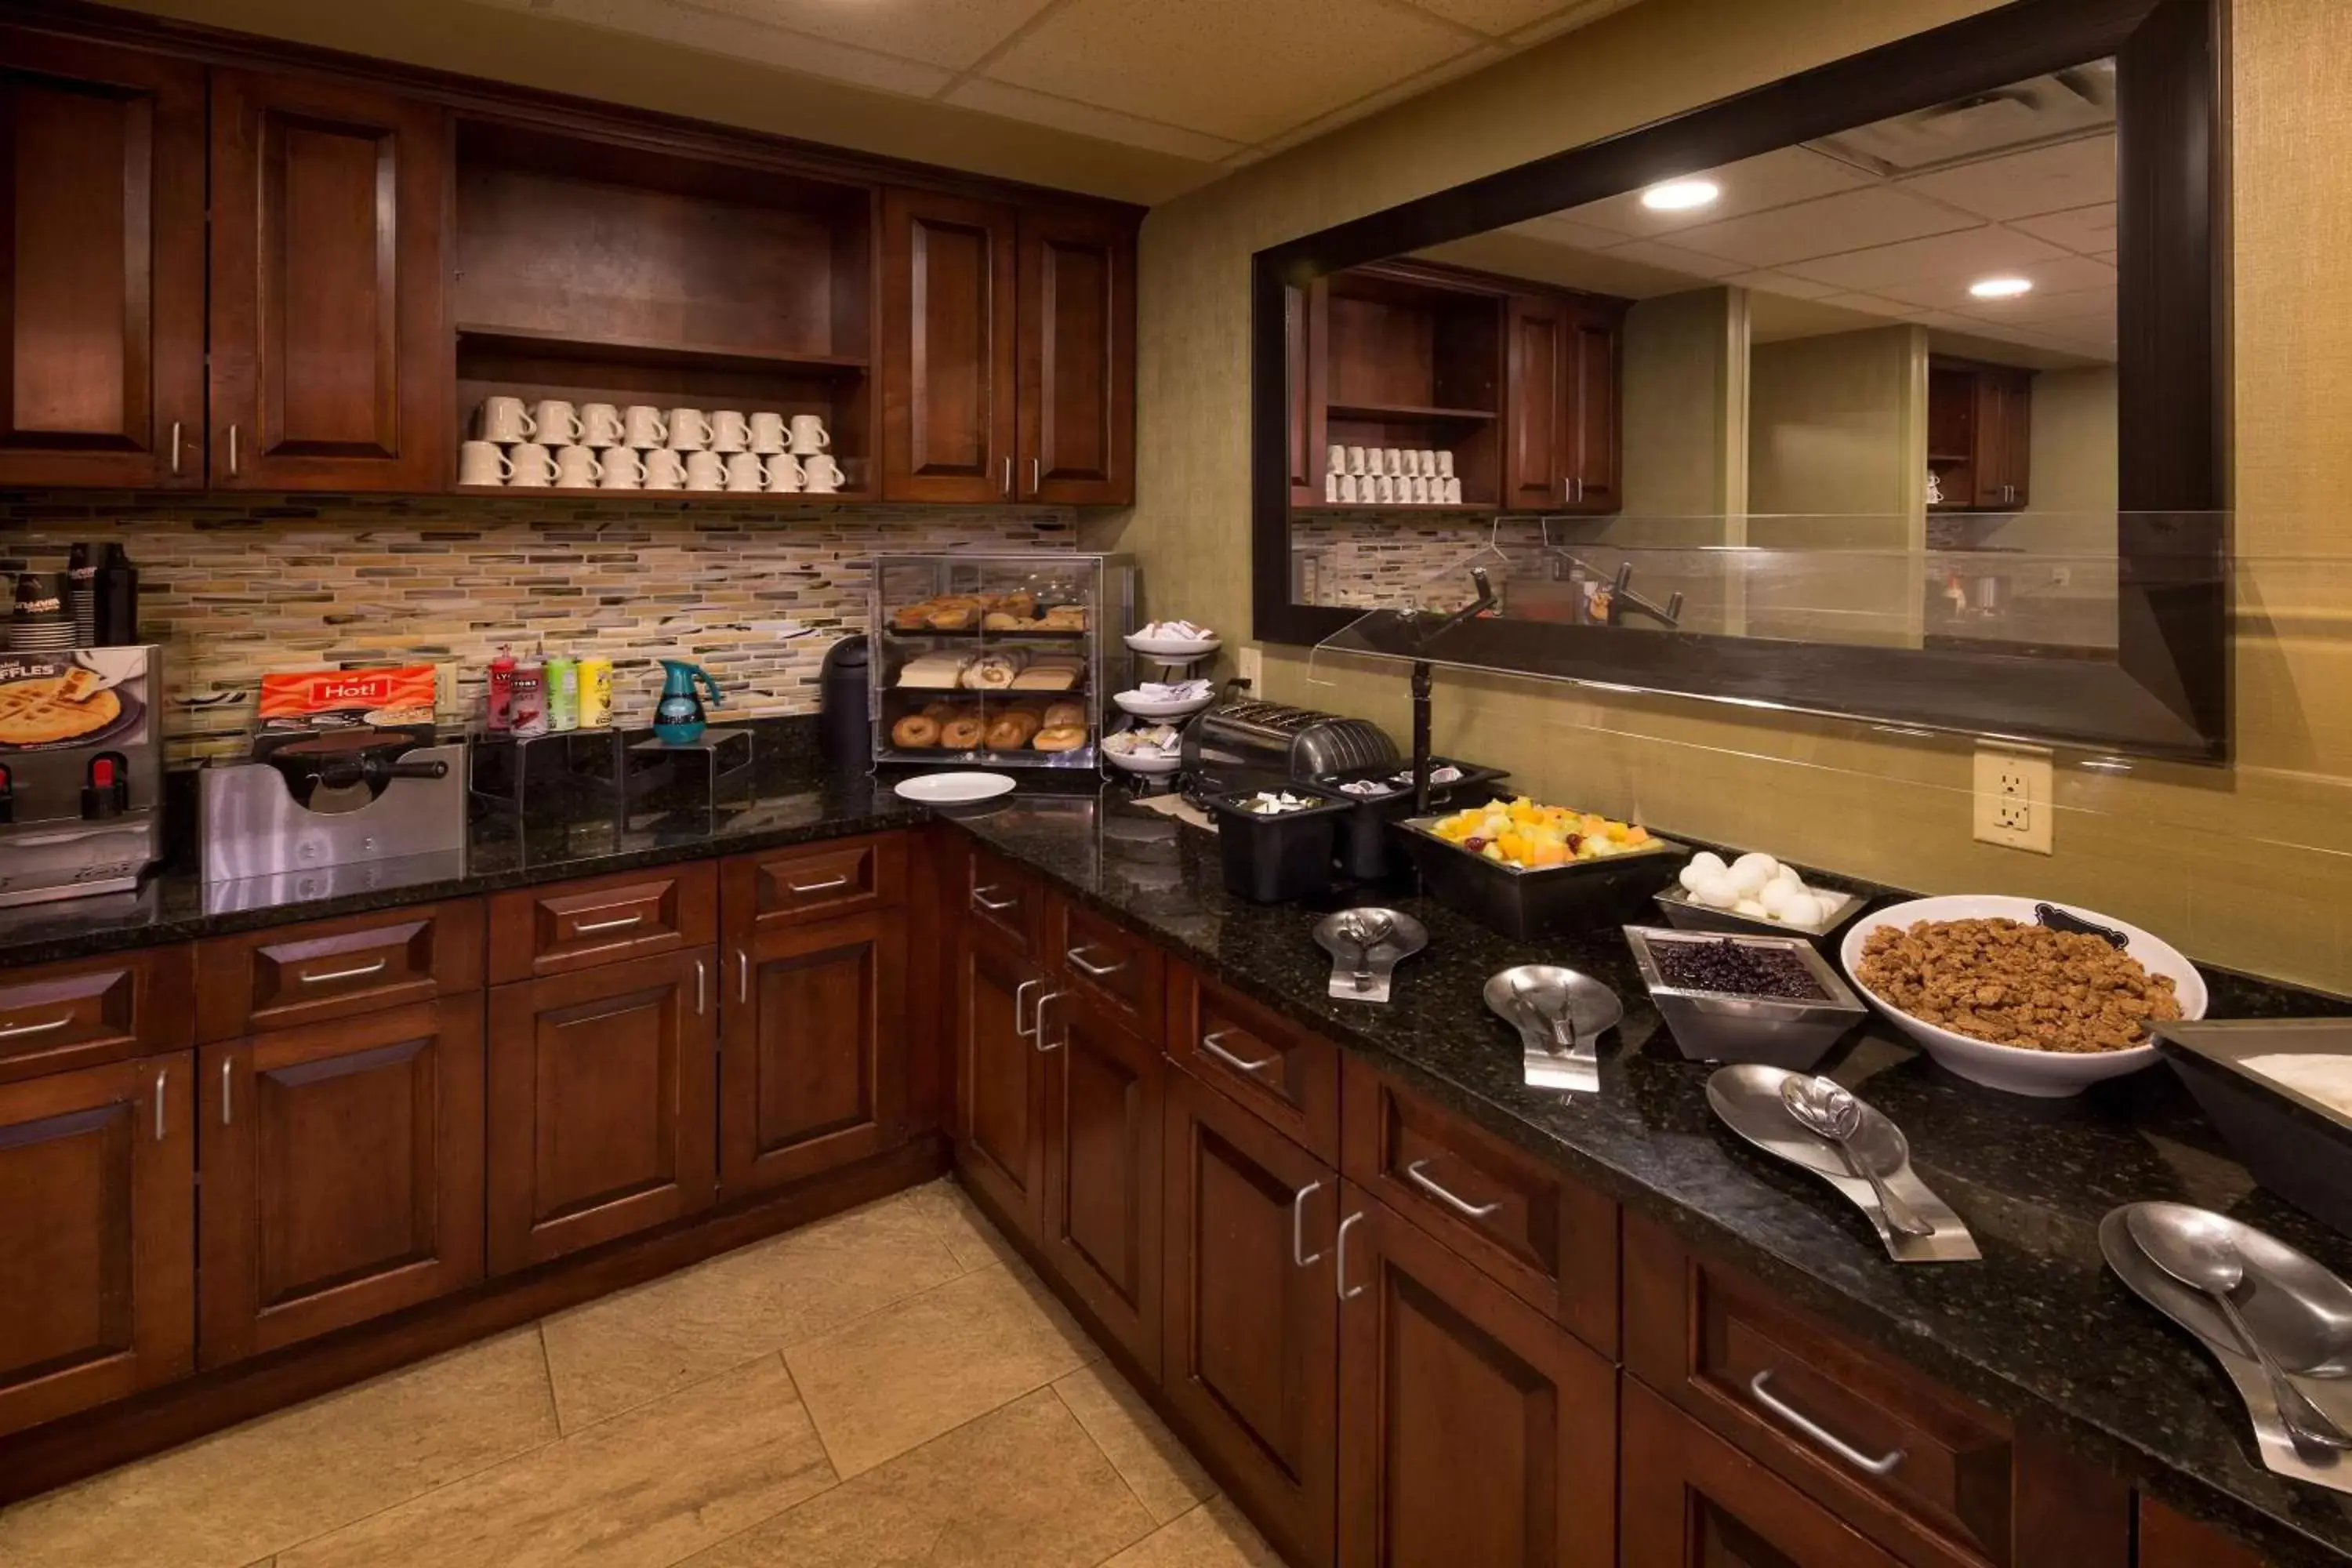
x=1824, y=1108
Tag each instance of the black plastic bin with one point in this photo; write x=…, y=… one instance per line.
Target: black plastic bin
x=1368, y=850
x=1552, y=901
x=1274, y=859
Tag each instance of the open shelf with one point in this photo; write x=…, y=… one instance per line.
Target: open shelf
x=1452, y=508
x=555, y=344
x=738, y=497
x=1392, y=412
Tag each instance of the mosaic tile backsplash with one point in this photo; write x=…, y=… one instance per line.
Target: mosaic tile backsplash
x=235, y=586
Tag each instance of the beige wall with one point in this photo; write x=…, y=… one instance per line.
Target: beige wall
x=2220, y=860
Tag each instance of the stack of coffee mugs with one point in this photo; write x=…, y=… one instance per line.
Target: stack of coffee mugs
x=553, y=444
x=1390, y=476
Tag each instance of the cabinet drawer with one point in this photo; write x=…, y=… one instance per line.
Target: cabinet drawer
x=1287, y=1075
x=1117, y=970
x=1004, y=898
x=814, y=882
x=55, y=1017
x=537, y=931
x=331, y=969
x=1552, y=1241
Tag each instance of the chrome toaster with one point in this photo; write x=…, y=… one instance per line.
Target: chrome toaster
x=1243, y=743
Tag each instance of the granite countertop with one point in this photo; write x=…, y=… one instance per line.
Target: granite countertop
x=2038, y=1329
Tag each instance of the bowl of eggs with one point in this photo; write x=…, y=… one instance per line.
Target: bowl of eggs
x=1753, y=893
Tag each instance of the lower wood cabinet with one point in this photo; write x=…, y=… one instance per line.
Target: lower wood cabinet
x=1000, y=1079
x=1105, y=1088
x=601, y=1120
x=2168, y=1540
x=1472, y=1427
x=342, y=1173
x=812, y=1049
x=97, y=1235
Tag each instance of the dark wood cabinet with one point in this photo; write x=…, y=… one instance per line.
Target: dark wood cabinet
x=814, y=1054
x=1105, y=1102
x=97, y=1235
x=1000, y=1079
x=1562, y=443
x=286, y=976
x=1249, y=1354
x=1305, y=329
x=2169, y=1540
x=333, y=362
x=342, y=1173
x=1979, y=434
x=83, y=1012
x=596, y=920
x=1471, y=1429
x=102, y=299
x=948, y=404
x=600, y=1113
x=1075, y=332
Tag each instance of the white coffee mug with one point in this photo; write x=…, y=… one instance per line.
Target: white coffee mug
x=1356, y=461
x=1446, y=464
x=705, y=471
x=767, y=432
x=599, y=424
x=1331, y=487
x=808, y=435
x=1409, y=462
x=1419, y=483
x=1335, y=459
x=820, y=474
x=664, y=470
x=623, y=468
x=1395, y=464
x=1453, y=496
x=745, y=471
x=1428, y=461
x=482, y=463
x=730, y=431
x=554, y=422
x=533, y=465
x=688, y=430
x=504, y=419
x=644, y=426
x=576, y=467
x=1384, y=489
x=783, y=474
x=1348, y=486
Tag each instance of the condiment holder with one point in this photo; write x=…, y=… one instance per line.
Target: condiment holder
x=1713, y=1025
x=1366, y=945
x=1560, y=1015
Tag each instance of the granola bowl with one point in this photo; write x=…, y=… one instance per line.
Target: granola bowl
x=2024, y=1070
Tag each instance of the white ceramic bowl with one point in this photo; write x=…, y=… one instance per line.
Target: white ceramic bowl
x=2017, y=1070
x=1174, y=648
x=1143, y=763
x=1145, y=708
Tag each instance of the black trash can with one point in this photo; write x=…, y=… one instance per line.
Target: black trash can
x=844, y=705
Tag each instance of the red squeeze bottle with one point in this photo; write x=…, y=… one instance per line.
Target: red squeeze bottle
x=499, y=718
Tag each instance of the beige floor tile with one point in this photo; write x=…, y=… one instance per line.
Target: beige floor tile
x=914, y=1370
x=967, y=1232
x=1153, y=1463
x=233, y=1498
x=641, y=1490
x=1022, y=1486
x=1213, y=1535
x=623, y=1350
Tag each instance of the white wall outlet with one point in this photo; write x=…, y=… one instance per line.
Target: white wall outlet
x=1249, y=663
x=2013, y=798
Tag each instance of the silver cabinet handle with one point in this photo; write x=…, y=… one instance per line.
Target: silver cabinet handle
x=1008, y=476
x=1077, y=957
x=18, y=1031
x=1019, y=1002
x=160, y=1076
x=175, y=448
x=620, y=922
x=1209, y=1044
x=1038, y=1034
x=701, y=986
x=1467, y=1210
x=232, y=451
x=1297, y=1224
x=1340, y=1272
x=1036, y=480
x=743, y=976
x=981, y=900
x=805, y=888
x=1881, y=1466
x=377, y=967
x=227, y=1069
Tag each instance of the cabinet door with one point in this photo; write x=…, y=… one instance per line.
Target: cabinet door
x=1105, y=1093
x=1431, y=1354
x=98, y=1269
x=1249, y=1356
x=2017, y=424
x=1535, y=460
x=333, y=362
x=1076, y=348
x=812, y=1049
x=1306, y=343
x=1590, y=390
x=102, y=297
x=1000, y=1079
x=600, y=1104
x=948, y=375
x=1692, y=1499
x=2169, y=1540
x=342, y=1173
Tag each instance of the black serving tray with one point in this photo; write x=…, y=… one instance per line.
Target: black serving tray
x=2296, y=1146
x=1552, y=901
x=1276, y=859
x=1369, y=850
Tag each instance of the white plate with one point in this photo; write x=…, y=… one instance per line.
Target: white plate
x=2019, y=1069
x=1145, y=708
x=1174, y=648
x=952, y=789
x=1143, y=765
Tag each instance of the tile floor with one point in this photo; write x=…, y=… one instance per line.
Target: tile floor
x=891, y=1386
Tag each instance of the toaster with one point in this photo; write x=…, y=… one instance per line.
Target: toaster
x=1242, y=744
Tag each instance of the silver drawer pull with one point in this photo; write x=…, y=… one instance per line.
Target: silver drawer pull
x=227, y=1068
x=701, y=988
x=18, y=1031
x=1037, y=1033
x=743, y=976
x=1881, y=1466
x=804, y=889
x=365, y=969
x=1340, y=1272
x=1297, y=1224
x=1079, y=962
x=159, y=1102
x=1209, y=1044
x=981, y=900
x=1020, y=1005
x=620, y=922
x=1466, y=1209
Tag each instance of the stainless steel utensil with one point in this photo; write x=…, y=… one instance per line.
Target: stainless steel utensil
x=1824, y=1108
x=2196, y=1249
x=1366, y=945
x=1560, y=1015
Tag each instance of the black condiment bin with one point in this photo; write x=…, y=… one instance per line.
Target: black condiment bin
x=1273, y=859
x=2291, y=1143
x=1548, y=902
x=1367, y=848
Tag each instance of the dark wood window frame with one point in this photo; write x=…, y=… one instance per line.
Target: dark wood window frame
x=2167, y=692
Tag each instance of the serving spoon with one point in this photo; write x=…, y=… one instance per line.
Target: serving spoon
x=1826, y=1110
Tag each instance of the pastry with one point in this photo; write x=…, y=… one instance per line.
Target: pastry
x=1060, y=738
x=961, y=735
x=1064, y=618
x=912, y=617
x=1007, y=621
x=953, y=618
x=915, y=731
x=1011, y=733
x=940, y=711
x=1022, y=604
x=1058, y=715
x=992, y=671
x=1048, y=675
x=42, y=710
x=933, y=672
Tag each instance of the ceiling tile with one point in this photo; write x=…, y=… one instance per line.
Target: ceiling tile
x=1849, y=220
x=1769, y=282
x=1494, y=17
x=2045, y=180
x=1474, y=57
x=1868, y=304
x=1967, y=253
x=2073, y=305
x=691, y=28
x=1559, y=230
x=1086, y=119
x=1673, y=259
x=2087, y=231
x=1239, y=69
x=1774, y=179
x=952, y=33
x=1579, y=14
x=2065, y=278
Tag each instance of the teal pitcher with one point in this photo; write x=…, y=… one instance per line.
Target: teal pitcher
x=678, y=717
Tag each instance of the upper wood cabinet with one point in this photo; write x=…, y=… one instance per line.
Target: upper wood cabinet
x=1076, y=331
x=331, y=363
x=102, y=298
x=1979, y=434
x=1562, y=446
x=949, y=421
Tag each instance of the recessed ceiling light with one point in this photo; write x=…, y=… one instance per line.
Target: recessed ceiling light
x=1680, y=195
x=2000, y=288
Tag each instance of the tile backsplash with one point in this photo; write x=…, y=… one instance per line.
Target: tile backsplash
x=235, y=586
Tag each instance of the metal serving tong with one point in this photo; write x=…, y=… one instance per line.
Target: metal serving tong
x=1366, y=945
x=1560, y=1015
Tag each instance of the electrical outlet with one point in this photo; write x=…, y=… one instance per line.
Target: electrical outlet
x=1249, y=663
x=2013, y=798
